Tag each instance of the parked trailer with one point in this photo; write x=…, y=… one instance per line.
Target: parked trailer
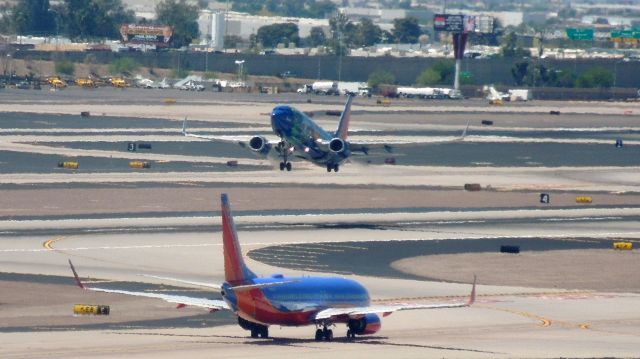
x=425, y=92
x=325, y=88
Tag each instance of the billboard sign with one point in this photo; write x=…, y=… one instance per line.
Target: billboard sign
x=157, y=35
x=484, y=24
x=447, y=22
x=463, y=23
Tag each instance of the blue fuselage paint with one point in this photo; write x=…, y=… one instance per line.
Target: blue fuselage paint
x=297, y=301
x=309, y=140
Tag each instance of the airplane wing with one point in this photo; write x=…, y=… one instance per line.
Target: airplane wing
x=199, y=284
x=356, y=312
x=210, y=304
x=389, y=146
x=265, y=147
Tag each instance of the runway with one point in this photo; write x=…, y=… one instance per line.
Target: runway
x=408, y=232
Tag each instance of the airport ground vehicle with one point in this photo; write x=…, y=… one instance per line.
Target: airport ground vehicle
x=321, y=88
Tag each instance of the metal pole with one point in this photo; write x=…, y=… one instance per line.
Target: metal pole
x=340, y=55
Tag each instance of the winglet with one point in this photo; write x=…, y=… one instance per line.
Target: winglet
x=75, y=275
x=472, y=297
x=184, y=126
x=343, y=126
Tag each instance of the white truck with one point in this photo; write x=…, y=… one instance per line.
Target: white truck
x=354, y=88
x=321, y=88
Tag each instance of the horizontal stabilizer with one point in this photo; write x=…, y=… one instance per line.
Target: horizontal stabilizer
x=260, y=285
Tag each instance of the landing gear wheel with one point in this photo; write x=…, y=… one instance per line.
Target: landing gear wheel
x=329, y=167
x=264, y=332
x=319, y=335
x=336, y=167
x=288, y=166
x=351, y=334
x=254, y=332
x=328, y=335
x=281, y=166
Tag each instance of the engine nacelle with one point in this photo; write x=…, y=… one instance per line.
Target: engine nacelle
x=337, y=145
x=369, y=324
x=259, y=144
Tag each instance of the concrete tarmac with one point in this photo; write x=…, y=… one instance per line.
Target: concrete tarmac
x=116, y=223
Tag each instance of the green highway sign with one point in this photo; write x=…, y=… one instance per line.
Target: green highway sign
x=579, y=34
x=625, y=34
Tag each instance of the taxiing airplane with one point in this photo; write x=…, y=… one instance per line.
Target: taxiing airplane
x=286, y=301
x=301, y=137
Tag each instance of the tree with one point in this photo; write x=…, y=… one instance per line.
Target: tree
x=272, y=35
x=519, y=72
x=441, y=71
x=510, y=47
x=316, y=37
x=32, y=17
x=123, y=66
x=380, y=77
x=84, y=19
x=64, y=67
x=183, y=17
x=428, y=77
x=368, y=34
x=595, y=77
x=406, y=30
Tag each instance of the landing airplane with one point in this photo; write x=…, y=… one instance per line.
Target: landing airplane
x=286, y=301
x=300, y=137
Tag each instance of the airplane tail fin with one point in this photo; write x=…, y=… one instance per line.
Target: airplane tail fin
x=235, y=271
x=343, y=126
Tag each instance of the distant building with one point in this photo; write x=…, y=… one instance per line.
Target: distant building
x=244, y=25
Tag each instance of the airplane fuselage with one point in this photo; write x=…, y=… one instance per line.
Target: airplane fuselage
x=308, y=139
x=294, y=303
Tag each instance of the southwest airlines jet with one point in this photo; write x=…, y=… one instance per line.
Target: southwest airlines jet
x=300, y=137
x=286, y=301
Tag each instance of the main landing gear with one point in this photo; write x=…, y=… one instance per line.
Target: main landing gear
x=259, y=331
x=333, y=167
x=284, y=165
x=324, y=334
x=284, y=150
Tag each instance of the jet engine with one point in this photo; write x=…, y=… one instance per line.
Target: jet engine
x=369, y=324
x=259, y=144
x=337, y=145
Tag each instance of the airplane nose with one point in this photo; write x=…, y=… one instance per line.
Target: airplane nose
x=281, y=119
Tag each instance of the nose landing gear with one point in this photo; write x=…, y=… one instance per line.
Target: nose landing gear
x=334, y=167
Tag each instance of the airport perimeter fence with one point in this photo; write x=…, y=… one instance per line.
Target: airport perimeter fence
x=495, y=71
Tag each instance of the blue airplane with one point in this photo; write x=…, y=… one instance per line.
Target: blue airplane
x=260, y=302
x=301, y=137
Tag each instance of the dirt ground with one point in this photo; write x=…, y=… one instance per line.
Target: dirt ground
x=74, y=201
x=588, y=269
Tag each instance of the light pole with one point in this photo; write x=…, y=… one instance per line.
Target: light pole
x=57, y=20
